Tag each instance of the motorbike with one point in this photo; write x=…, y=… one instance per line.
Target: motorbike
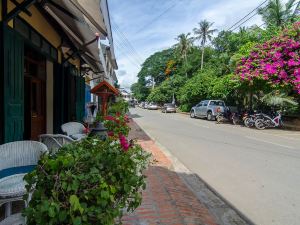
x=224, y=116
x=268, y=122
x=237, y=118
x=249, y=119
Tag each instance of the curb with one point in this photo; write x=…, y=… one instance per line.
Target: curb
x=178, y=167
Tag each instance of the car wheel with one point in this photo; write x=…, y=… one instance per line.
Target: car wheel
x=209, y=116
x=192, y=114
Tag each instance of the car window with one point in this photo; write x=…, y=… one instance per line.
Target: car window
x=220, y=103
x=205, y=103
x=199, y=104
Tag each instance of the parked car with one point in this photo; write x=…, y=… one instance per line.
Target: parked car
x=146, y=105
x=142, y=105
x=168, y=107
x=208, y=109
x=152, y=106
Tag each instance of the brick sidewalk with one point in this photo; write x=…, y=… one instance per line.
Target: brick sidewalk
x=166, y=200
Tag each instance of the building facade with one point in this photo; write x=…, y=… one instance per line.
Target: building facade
x=49, y=56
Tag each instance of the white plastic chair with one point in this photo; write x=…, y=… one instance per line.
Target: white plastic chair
x=16, y=158
x=74, y=130
x=55, y=141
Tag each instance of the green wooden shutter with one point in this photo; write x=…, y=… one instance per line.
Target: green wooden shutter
x=13, y=86
x=80, y=98
x=58, y=109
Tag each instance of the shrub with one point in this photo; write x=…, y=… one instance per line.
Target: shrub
x=121, y=106
x=275, y=61
x=88, y=182
x=116, y=125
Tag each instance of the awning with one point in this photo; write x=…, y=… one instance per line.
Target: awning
x=104, y=88
x=75, y=19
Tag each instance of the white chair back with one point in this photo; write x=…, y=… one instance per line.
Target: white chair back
x=55, y=141
x=72, y=128
x=21, y=153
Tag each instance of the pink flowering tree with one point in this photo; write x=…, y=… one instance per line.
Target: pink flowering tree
x=275, y=63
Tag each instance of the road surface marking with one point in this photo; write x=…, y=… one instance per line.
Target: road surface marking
x=269, y=142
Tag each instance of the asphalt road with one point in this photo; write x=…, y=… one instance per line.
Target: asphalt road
x=256, y=171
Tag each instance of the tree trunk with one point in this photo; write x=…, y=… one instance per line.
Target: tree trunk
x=202, y=57
x=251, y=100
x=185, y=66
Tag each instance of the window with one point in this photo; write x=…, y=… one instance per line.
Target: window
x=21, y=27
x=46, y=47
x=216, y=103
x=54, y=53
x=35, y=38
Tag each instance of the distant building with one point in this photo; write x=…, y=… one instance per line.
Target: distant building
x=127, y=96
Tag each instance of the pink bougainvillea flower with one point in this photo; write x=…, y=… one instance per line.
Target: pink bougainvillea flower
x=124, y=143
x=292, y=62
x=270, y=69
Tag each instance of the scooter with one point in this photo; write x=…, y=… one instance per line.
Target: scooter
x=268, y=122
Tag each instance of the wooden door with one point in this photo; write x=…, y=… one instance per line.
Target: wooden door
x=35, y=94
x=38, y=106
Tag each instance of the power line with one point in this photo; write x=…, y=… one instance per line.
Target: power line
x=257, y=13
x=158, y=16
x=248, y=15
x=126, y=50
x=244, y=22
x=127, y=41
x=129, y=55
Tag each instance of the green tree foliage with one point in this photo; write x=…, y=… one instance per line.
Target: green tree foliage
x=226, y=88
x=140, y=91
x=196, y=88
x=164, y=92
x=183, y=47
x=278, y=14
x=204, y=34
x=155, y=66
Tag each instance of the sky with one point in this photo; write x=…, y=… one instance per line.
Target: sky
x=143, y=27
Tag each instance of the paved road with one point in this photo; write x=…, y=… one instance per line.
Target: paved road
x=257, y=171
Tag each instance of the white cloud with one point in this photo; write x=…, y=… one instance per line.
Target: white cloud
x=132, y=15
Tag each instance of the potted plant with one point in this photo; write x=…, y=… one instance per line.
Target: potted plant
x=88, y=182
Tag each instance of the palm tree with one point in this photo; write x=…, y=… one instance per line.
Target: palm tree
x=277, y=99
x=204, y=34
x=183, y=46
x=276, y=13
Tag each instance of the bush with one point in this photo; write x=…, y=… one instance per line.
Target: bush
x=197, y=88
x=121, y=106
x=88, y=182
x=116, y=125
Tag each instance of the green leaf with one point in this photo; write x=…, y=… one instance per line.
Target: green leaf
x=62, y=216
x=51, y=212
x=75, y=205
x=77, y=221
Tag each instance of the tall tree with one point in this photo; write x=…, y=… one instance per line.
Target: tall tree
x=183, y=47
x=276, y=13
x=204, y=34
